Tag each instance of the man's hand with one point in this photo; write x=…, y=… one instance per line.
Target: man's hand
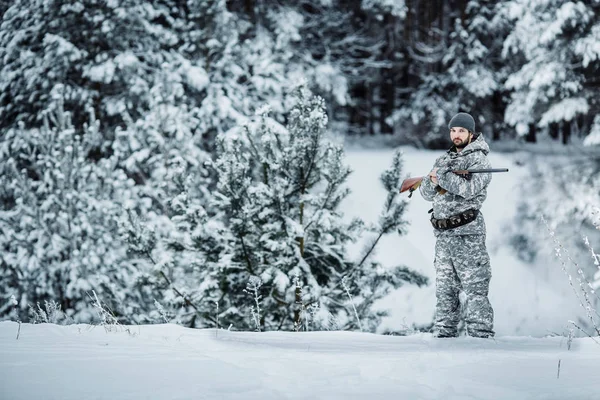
x=433, y=176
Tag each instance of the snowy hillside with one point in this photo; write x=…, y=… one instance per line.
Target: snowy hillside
x=170, y=362
x=531, y=300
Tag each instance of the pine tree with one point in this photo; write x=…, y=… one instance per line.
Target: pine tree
x=356, y=64
x=268, y=249
x=466, y=76
x=58, y=219
x=40, y=50
x=279, y=189
x=119, y=51
x=164, y=155
x=553, y=85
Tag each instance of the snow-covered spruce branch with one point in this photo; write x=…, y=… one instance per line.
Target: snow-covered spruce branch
x=585, y=302
x=334, y=182
x=142, y=242
x=355, y=53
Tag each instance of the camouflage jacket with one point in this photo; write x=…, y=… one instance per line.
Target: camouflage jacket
x=462, y=194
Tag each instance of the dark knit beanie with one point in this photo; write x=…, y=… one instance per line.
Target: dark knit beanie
x=462, y=120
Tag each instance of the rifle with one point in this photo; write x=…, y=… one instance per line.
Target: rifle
x=413, y=184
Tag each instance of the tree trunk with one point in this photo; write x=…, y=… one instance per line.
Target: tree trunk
x=531, y=136
x=369, y=111
x=566, y=131
x=387, y=84
x=553, y=130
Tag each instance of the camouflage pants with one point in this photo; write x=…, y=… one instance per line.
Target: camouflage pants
x=462, y=263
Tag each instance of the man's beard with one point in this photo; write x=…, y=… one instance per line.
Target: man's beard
x=462, y=144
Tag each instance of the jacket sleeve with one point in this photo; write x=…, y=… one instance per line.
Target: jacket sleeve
x=427, y=187
x=461, y=186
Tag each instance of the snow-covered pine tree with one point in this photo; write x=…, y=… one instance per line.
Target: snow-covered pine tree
x=253, y=55
x=352, y=51
x=165, y=157
x=58, y=221
x=465, y=74
x=211, y=38
x=556, y=59
x=280, y=189
x=113, y=59
x=40, y=49
x=161, y=146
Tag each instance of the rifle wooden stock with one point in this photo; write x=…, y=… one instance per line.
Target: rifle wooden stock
x=413, y=184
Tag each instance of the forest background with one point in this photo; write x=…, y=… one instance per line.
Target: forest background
x=159, y=158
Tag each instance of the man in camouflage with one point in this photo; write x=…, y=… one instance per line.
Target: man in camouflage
x=461, y=258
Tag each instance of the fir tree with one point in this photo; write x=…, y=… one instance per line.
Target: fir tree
x=40, y=50
x=269, y=247
x=59, y=221
x=279, y=189
x=119, y=52
x=553, y=85
x=467, y=76
x=164, y=155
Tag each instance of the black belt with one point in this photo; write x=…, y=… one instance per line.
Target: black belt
x=454, y=221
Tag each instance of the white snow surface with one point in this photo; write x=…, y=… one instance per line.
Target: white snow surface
x=171, y=362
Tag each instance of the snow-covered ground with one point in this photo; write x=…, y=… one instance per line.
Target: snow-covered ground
x=170, y=362
x=533, y=300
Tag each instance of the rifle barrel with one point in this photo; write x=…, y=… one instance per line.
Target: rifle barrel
x=486, y=170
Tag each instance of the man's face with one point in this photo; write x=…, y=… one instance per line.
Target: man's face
x=460, y=137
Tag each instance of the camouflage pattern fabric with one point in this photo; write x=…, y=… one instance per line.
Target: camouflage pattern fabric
x=461, y=258
x=462, y=194
x=462, y=263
